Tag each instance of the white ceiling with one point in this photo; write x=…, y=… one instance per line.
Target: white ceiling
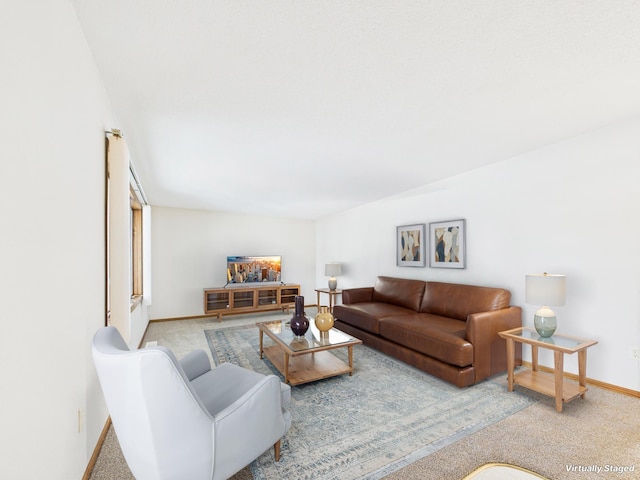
x=306, y=108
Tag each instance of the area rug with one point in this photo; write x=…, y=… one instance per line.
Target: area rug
x=384, y=417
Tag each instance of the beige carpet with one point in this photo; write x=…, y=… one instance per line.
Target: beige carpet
x=590, y=436
x=601, y=431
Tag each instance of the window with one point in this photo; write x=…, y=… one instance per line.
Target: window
x=135, y=245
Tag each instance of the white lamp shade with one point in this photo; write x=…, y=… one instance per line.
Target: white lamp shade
x=545, y=289
x=332, y=269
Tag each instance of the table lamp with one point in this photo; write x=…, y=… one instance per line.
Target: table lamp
x=332, y=270
x=545, y=289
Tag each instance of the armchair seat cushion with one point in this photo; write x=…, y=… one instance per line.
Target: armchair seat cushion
x=237, y=382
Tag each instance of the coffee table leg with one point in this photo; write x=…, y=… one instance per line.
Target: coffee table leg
x=261, y=334
x=286, y=367
x=350, y=348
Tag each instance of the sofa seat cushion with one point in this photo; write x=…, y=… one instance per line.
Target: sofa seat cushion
x=366, y=315
x=438, y=337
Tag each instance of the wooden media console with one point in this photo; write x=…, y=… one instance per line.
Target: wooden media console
x=231, y=300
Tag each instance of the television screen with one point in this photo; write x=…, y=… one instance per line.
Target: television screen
x=253, y=269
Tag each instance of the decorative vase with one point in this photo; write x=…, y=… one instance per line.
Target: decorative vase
x=545, y=325
x=299, y=323
x=324, y=320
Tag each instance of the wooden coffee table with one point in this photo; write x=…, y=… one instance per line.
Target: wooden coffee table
x=305, y=359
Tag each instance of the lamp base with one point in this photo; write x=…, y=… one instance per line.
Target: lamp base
x=545, y=322
x=333, y=283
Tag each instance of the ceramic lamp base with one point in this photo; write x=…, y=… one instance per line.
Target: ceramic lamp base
x=545, y=322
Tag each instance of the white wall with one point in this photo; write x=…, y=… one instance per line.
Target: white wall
x=190, y=249
x=571, y=208
x=54, y=113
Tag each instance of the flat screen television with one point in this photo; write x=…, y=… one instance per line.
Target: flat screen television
x=256, y=269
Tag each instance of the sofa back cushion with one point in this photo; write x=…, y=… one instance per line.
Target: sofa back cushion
x=399, y=291
x=458, y=301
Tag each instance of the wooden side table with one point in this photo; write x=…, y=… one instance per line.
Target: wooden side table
x=333, y=295
x=554, y=384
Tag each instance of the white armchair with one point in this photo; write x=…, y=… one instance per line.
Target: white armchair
x=182, y=419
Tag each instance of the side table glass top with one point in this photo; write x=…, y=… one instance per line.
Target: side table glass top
x=312, y=339
x=562, y=342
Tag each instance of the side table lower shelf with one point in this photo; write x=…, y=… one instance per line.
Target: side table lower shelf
x=545, y=383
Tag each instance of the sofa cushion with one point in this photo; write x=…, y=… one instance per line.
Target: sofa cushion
x=366, y=315
x=439, y=337
x=458, y=301
x=399, y=291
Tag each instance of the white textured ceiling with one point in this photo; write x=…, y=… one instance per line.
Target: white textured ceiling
x=306, y=108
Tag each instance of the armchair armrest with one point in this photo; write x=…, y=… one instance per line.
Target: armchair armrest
x=195, y=363
x=357, y=295
x=489, y=350
x=236, y=436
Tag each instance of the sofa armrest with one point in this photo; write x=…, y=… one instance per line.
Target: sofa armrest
x=357, y=295
x=489, y=349
x=195, y=363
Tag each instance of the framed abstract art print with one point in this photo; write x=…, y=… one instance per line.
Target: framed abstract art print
x=411, y=245
x=447, y=244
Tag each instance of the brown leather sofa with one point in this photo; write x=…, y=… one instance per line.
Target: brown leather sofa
x=447, y=330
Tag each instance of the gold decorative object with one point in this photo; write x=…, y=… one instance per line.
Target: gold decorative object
x=324, y=320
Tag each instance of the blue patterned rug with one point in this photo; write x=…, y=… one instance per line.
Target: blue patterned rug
x=384, y=417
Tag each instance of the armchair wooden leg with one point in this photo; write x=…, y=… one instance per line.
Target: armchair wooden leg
x=276, y=448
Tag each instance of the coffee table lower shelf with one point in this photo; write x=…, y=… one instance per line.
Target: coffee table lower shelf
x=545, y=383
x=308, y=367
